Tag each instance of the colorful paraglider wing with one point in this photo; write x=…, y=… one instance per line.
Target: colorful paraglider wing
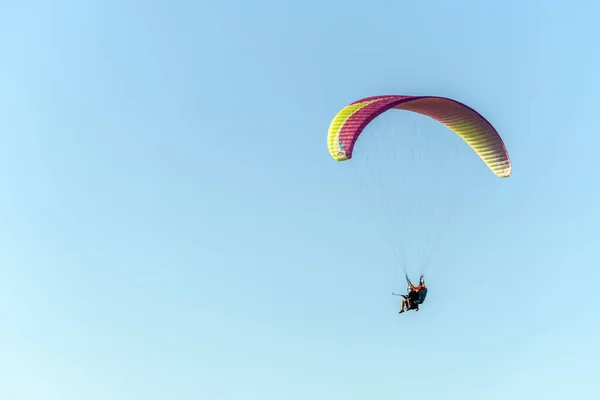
x=475, y=130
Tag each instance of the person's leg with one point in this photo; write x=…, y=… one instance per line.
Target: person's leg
x=404, y=305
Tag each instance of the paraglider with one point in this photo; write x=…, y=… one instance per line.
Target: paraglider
x=348, y=125
x=416, y=295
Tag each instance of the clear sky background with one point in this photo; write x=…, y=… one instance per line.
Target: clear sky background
x=173, y=227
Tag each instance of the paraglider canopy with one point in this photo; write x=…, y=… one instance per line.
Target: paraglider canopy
x=467, y=123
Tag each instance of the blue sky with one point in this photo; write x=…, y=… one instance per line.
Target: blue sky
x=172, y=225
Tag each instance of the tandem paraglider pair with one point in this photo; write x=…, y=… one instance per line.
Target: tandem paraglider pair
x=348, y=125
x=416, y=295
